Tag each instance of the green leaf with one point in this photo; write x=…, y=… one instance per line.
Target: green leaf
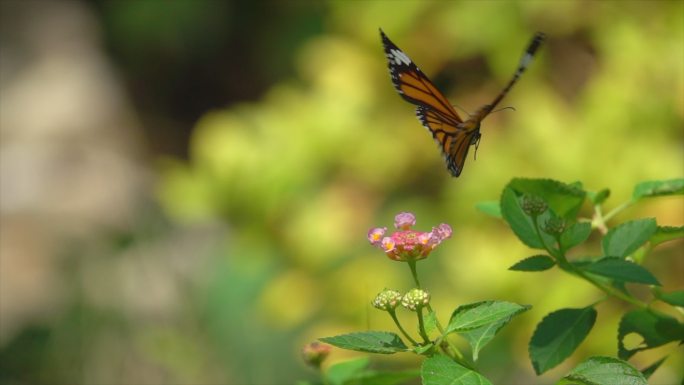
x=384, y=378
x=621, y=270
x=675, y=298
x=604, y=370
x=342, y=373
x=558, y=335
x=355, y=372
x=370, y=342
x=598, y=197
x=534, y=263
x=658, y=188
x=490, y=208
x=666, y=233
x=479, y=314
x=520, y=223
x=626, y=238
x=574, y=235
x=441, y=370
x=565, y=200
x=479, y=337
x=647, y=372
x=655, y=329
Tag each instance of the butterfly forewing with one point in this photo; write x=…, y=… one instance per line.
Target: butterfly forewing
x=412, y=84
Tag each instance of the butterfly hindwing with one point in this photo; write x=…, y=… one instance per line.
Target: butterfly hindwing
x=453, y=141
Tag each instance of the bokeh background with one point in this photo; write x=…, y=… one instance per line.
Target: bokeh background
x=186, y=186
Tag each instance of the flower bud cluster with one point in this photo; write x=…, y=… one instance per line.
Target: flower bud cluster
x=387, y=300
x=554, y=226
x=533, y=205
x=413, y=300
x=315, y=353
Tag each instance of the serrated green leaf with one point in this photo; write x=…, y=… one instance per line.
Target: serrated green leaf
x=479, y=314
x=558, y=335
x=648, y=371
x=627, y=237
x=655, y=329
x=598, y=197
x=658, y=188
x=520, y=223
x=604, y=370
x=479, y=337
x=584, y=261
x=490, y=208
x=565, y=200
x=666, y=233
x=621, y=270
x=343, y=372
x=575, y=234
x=675, y=298
x=370, y=342
x=441, y=370
x=534, y=263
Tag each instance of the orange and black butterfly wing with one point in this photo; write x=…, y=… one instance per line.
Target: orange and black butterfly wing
x=413, y=85
x=434, y=110
x=453, y=140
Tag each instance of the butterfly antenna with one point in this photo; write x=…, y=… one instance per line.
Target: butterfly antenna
x=462, y=109
x=504, y=108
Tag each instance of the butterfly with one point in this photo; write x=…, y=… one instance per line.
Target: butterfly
x=453, y=134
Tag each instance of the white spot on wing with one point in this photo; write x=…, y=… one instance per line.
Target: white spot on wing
x=400, y=57
x=525, y=60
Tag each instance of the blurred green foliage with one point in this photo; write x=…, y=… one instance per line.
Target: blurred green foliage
x=324, y=156
x=289, y=185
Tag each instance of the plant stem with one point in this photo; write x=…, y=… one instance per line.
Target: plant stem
x=421, y=325
x=565, y=265
x=598, y=221
x=457, y=353
x=617, y=210
x=414, y=273
x=401, y=329
x=555, y=253
x=607, y=289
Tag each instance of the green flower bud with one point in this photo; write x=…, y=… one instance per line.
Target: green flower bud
x=387, y=300
x=415, y=299
x=554, y=226
x=533, y=205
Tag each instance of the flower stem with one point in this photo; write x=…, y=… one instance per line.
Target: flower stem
x=567, y=266
x=616, y=211
x=551, y=250
x=401, y=329
x=457, y=353
x=414, y=273
x=421, y=325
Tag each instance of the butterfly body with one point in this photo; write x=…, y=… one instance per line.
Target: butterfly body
x=453, y=134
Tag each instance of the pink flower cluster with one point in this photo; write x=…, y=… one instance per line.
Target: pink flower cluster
x=406, y=244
